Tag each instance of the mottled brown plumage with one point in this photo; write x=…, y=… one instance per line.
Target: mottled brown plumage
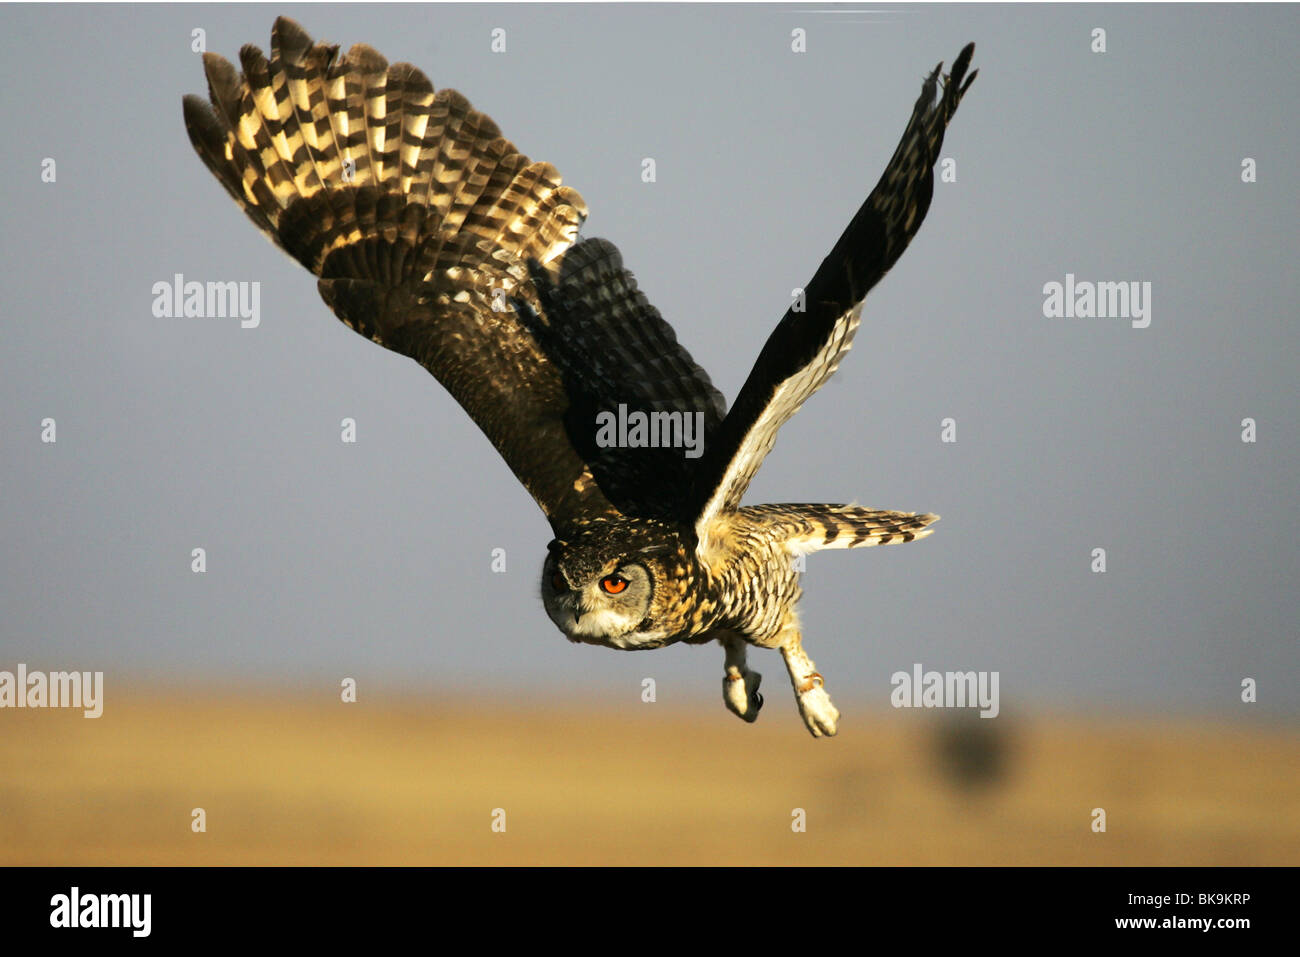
x=433, y=236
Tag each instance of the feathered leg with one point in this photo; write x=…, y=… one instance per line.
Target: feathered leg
x=819, y=714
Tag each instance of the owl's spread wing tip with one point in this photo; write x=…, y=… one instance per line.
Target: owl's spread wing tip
x=807, y=345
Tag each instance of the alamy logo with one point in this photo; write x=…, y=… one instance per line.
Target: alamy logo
x=75, y=909
x=58, y=689
x=947, y=689
x=1098, y=300
x=651, y=430
x=179, y=299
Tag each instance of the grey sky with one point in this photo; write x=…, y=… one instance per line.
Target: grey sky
x=373, y=560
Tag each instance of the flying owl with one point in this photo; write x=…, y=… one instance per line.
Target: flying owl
x=433, y=236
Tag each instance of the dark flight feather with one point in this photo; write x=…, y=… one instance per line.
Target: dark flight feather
x=806, y=347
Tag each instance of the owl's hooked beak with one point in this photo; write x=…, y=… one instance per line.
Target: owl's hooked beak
x=579, y=608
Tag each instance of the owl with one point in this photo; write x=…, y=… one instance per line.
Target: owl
x=433, y=236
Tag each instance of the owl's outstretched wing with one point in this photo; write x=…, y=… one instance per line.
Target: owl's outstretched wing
x=422, y=222
x=807, y=346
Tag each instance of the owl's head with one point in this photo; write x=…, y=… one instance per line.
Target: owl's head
x=600, y=584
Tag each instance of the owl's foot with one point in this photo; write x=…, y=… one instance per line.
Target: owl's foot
x=820, y=716
x=739, y=684
x=740, y=693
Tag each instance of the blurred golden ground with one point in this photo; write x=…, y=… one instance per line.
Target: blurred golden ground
x=288, y=780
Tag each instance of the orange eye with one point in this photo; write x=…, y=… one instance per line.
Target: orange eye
x=558, y=583
x=612, y=584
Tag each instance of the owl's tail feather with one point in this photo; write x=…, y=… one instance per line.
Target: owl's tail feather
x=360, y=169
x=810, y=528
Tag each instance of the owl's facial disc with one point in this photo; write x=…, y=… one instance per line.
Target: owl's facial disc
x=604, y=608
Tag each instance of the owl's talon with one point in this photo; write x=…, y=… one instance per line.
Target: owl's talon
x=740, y=694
